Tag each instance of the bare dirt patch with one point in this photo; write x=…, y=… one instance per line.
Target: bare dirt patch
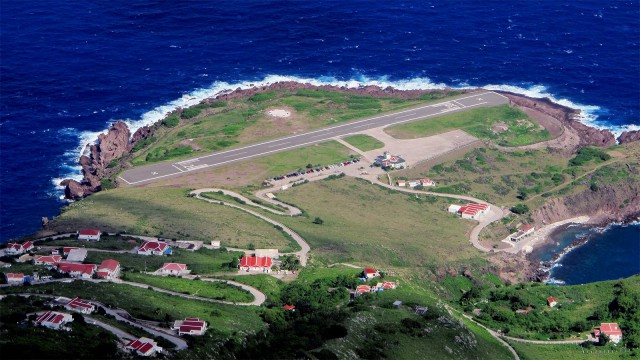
x=190, y=143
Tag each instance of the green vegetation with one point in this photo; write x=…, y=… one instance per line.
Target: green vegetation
x=269, y=285
x=207, y=289
x=485, y=123
x=569, y=352
x=168, y=213
x=107, y=242
x=579, y=309
x=201, y=262
x=220, y=125
x=357, y=225
x=588, y=154
x=364, y=142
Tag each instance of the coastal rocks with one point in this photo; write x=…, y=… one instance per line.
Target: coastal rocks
x=617, y=203
x=586, y=135
x=111, y=146
x=629, y=136
x=142, y=133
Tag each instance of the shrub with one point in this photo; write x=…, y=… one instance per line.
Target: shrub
x=520, y=209
x=190, y=112
x=171, y=121
x=318, y=221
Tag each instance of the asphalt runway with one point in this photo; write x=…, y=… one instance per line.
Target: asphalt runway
x=149, y=173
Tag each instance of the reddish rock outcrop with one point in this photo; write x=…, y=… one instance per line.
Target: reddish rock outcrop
x=629, y=136
x=141, y=134
x=110, y=146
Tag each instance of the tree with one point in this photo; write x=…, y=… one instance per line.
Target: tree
x=291, y=263
x=520, y=209
x=318, y=221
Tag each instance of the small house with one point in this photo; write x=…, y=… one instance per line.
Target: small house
x=612, y=330
x=388, y=161
x=369, y=273
x=84, y=271
x=89, y=234
x=152, y=248
x=77, y=255
x=270, y=195
x=397, y=304
x=454, y=209
x=363, y=289
x=109, y=269
x=190, y=326
x=174, y=269
x=402, y=183
x=413, y=183
x=427, y=182
x=50, y=260
x=421, y=310
x=54, y=320
x=473, y=211
x=255, y=263
x=143, y=347
x=215, y=244
x=67, y=249
x=14, y=278
x=291, y=308
x=19, y=248
x=552, y=301
x=523, y=231
x=81, y=306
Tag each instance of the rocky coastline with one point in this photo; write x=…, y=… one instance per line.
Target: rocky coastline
x=105, y=158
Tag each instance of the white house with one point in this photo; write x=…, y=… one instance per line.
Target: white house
x=427, y=182
x=454, y=208
x=18, y=248
x=215, y=244
x=14, y=278
x=109, y=269
x=89, y=234
x=143, y=347
x=84, y=271
x=54, y=320
x=552, y=301
x=402, y=183
x=612, y=330
x=50, y=260
x=81, y=306
x=173, y=269
x=190, y=326
x=413, y=183
x=473, y=211
x=370, y=273
x=388, y=161
x=523, y=231
x=152, y=248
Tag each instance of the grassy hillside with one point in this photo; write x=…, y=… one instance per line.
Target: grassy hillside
x=506, y=125
x=364, y=142
x=169, y=213
x=223, y=124
x=366, y=224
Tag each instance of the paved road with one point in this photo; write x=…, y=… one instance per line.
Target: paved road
x=149, y=173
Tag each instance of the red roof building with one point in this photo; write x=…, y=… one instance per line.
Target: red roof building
x=152, y=248
x=77, y=270
x=14, y=278
x=19, y=248
x=552, y=301
x=143, y=346
x=173, y=269
x=427, y=182
x=190, y=326
x=363, y=289
x=109, y=269
x=51, y=260
x=67, y=249
x=53, y=320
x=89, y=234
x=473, y=211
x=370, y=273
x=81, y=306
x=255, y=263
x=612, y=330
x=289, y=307
x=389, y=285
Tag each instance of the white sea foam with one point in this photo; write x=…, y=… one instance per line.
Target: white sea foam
x=588, y=112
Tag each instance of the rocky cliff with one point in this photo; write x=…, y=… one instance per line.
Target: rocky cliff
x=617, y=202
x=95, y=166
x=629, y=136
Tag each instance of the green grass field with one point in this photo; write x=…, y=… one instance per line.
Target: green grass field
x=364, y=142
x=568, y=352
x=201, y=262
x=207, y=289
x=269, y=285
x=369, y=225
x=480, y=123
x=237, y=122
x=169, y=213
x=106, y=243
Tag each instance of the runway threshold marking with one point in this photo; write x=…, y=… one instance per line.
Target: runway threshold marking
x=174, y=165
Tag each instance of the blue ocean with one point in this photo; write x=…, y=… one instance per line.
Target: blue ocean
x=70, y=68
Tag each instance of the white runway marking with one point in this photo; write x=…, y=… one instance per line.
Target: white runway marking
x=174, y=165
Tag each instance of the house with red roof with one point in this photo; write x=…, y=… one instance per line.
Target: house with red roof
x=255, y=263
x=402, y=183
x=84, y=271
x=173, y=269
x=19, y=248
x=388, y=161
x=190, y=326
x=50, y=260
x=370, y=273
x=612, y=330
x=109, y=269
x=389, y=285
x=288, y=307
x=523, y=231
x=81, y=306
x=152, y=248
x=67, y=249
x=14, y=278
x=427, y=182
x=363, y=289
x=89, y=234
x=473, y=211
x=552, y=301
x=54, y=320
x=143, y=347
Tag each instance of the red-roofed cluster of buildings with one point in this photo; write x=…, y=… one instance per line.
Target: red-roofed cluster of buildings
x=152, y=248
x=81, y=306
x=365, y=289
x=54, y=320
x=84, y=271
x=49, y=260
x=470, y=211
x=19, y=248
x=14, y=278
x=143, y=347
x=190, y=326
x=255, y=263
